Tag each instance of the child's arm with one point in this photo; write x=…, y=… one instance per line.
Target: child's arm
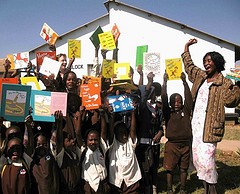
x=78, y=126
x=59, y=143
x=165, y=106
x=140, y=72
x=111, y=125
x=30, y=142
x=103, y=127
x=188, y=102
x=133, y=127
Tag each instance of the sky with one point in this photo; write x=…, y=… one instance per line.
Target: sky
x=21, y=20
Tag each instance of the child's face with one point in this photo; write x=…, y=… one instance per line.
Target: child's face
x=14, y=149
x=122, y=135
x=93, y=141
x=69, y=143
x=177, y=104
x=42, y=146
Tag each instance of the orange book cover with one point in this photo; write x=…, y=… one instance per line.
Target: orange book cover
x=91, y=98
x=116, y=33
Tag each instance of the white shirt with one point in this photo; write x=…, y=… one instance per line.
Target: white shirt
x=123, y=163
x=93, y=166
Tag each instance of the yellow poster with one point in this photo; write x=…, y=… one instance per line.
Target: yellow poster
x=174, y=68
x=74, y=48
x=107, y=41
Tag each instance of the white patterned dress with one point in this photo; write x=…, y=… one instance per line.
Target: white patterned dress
x=203, y=153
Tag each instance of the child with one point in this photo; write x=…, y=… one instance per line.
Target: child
x=178, y=132
x=15, y=173
x=94, y=170
x=44, y=168
x=68, y=155
x=124, y=171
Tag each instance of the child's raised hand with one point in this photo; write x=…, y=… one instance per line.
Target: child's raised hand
x=165, y=77
x=58, y=115
x=183, y=77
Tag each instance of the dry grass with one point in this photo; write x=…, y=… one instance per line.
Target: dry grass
x=228, y=167
x=232, y=132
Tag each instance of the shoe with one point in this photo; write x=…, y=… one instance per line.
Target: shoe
x=154, y=189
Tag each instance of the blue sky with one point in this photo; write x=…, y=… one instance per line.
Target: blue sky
x=22, y=20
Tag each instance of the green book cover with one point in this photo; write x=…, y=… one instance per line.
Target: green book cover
x=139, y=54
x=94, y=37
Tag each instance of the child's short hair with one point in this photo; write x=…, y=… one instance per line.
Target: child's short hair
x=173, y=96
x=120, y=126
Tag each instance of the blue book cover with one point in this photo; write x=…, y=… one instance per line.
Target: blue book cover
x=121, y=103
x=15, y=102
x=41, y=105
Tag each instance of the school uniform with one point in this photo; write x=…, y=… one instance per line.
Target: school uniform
x=69, y=164
x=124, y=170
x=94, y=171
x=15, y=176
x=45, y=174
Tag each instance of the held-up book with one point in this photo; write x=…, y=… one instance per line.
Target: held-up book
x=15, y=102
x=174, y=68
x=19, y=60
x=139, y=54
x=31, y=81
x=121, y=71
x=94, y=37
x=116, y=33
x=107, y=41
x=91, y=98
x=41, y=106
x=48, y=34
x=151, y=63
x=74, y=48
x=107, y=68
x=40, y=56
x=121, y=103
x=50, y=66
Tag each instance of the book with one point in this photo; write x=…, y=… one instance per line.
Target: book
x=116, y=33
x=74, y=48
x=6, y=81
x=31, y=81
x=48, y=34
x=121, y=71
x=124, y=86
x=139, y=54
x=94, y=37
x=61, y=99
x=19, y=60
x=41, y=106
x=15, y=102
x=151, y=63
x=40, y=56
x=50, y=66
x=107, y=41
x=174, y=68
x=91, y=97
x=121, y=103
x=107, y=68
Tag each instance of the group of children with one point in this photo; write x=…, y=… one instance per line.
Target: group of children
x=99, y=151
